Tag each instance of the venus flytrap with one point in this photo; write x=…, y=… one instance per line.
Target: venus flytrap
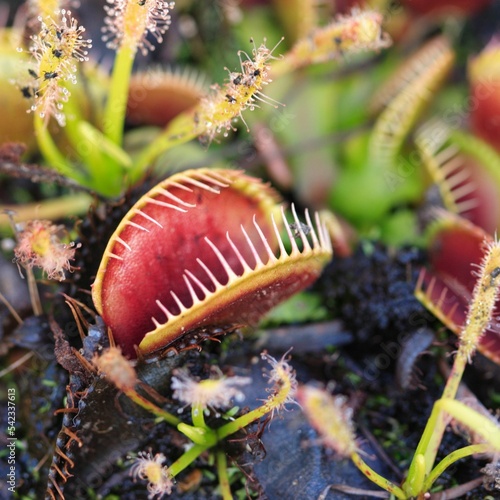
x=413, y=88
x=207, y=289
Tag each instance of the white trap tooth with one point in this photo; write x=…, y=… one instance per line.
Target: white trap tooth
x=124, y=243
x=324, y=235
x=214, y=178
x=180, y=186
x=202, y=185
x=446, y=154
x=165, y=311
x=164, y=204
x=445, y=170
x=258, y=261
x=281, y=244
x=293, y=243
x=210, y=274
x=298, y=223
x=111, y=255
x=172, y=197
x=137, y=226
x=178, y=301
x=203, y=288
x=225, y=264
x=457, y=178
x=465, y=206
x=242, y=261
x=314, y=235
x=148, y=217
x=269, y=250
x=464, y=190
x=192, y=293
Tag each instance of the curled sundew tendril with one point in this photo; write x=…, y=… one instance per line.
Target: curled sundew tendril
x=414, y=347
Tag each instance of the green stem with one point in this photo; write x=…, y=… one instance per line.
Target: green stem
x=436, y=425
x=107, y=162
x=225, y=488
x=436, y=429
x=51, y=152
x=151, y=407
x=377, y=478
x=480, y=425
x=116, y=107
x=427, y=447
x=273, y=403
x=455, y=376
x=104, y=160
x=197, y=416
x=179, y=131
x=452, y=458
x=88, y=154
x=102, y=144
x=243, y=421
x=203, y=436
x=186, y=459
x=414, y=483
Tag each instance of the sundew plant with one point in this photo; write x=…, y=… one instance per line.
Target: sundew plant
x=59, y=50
